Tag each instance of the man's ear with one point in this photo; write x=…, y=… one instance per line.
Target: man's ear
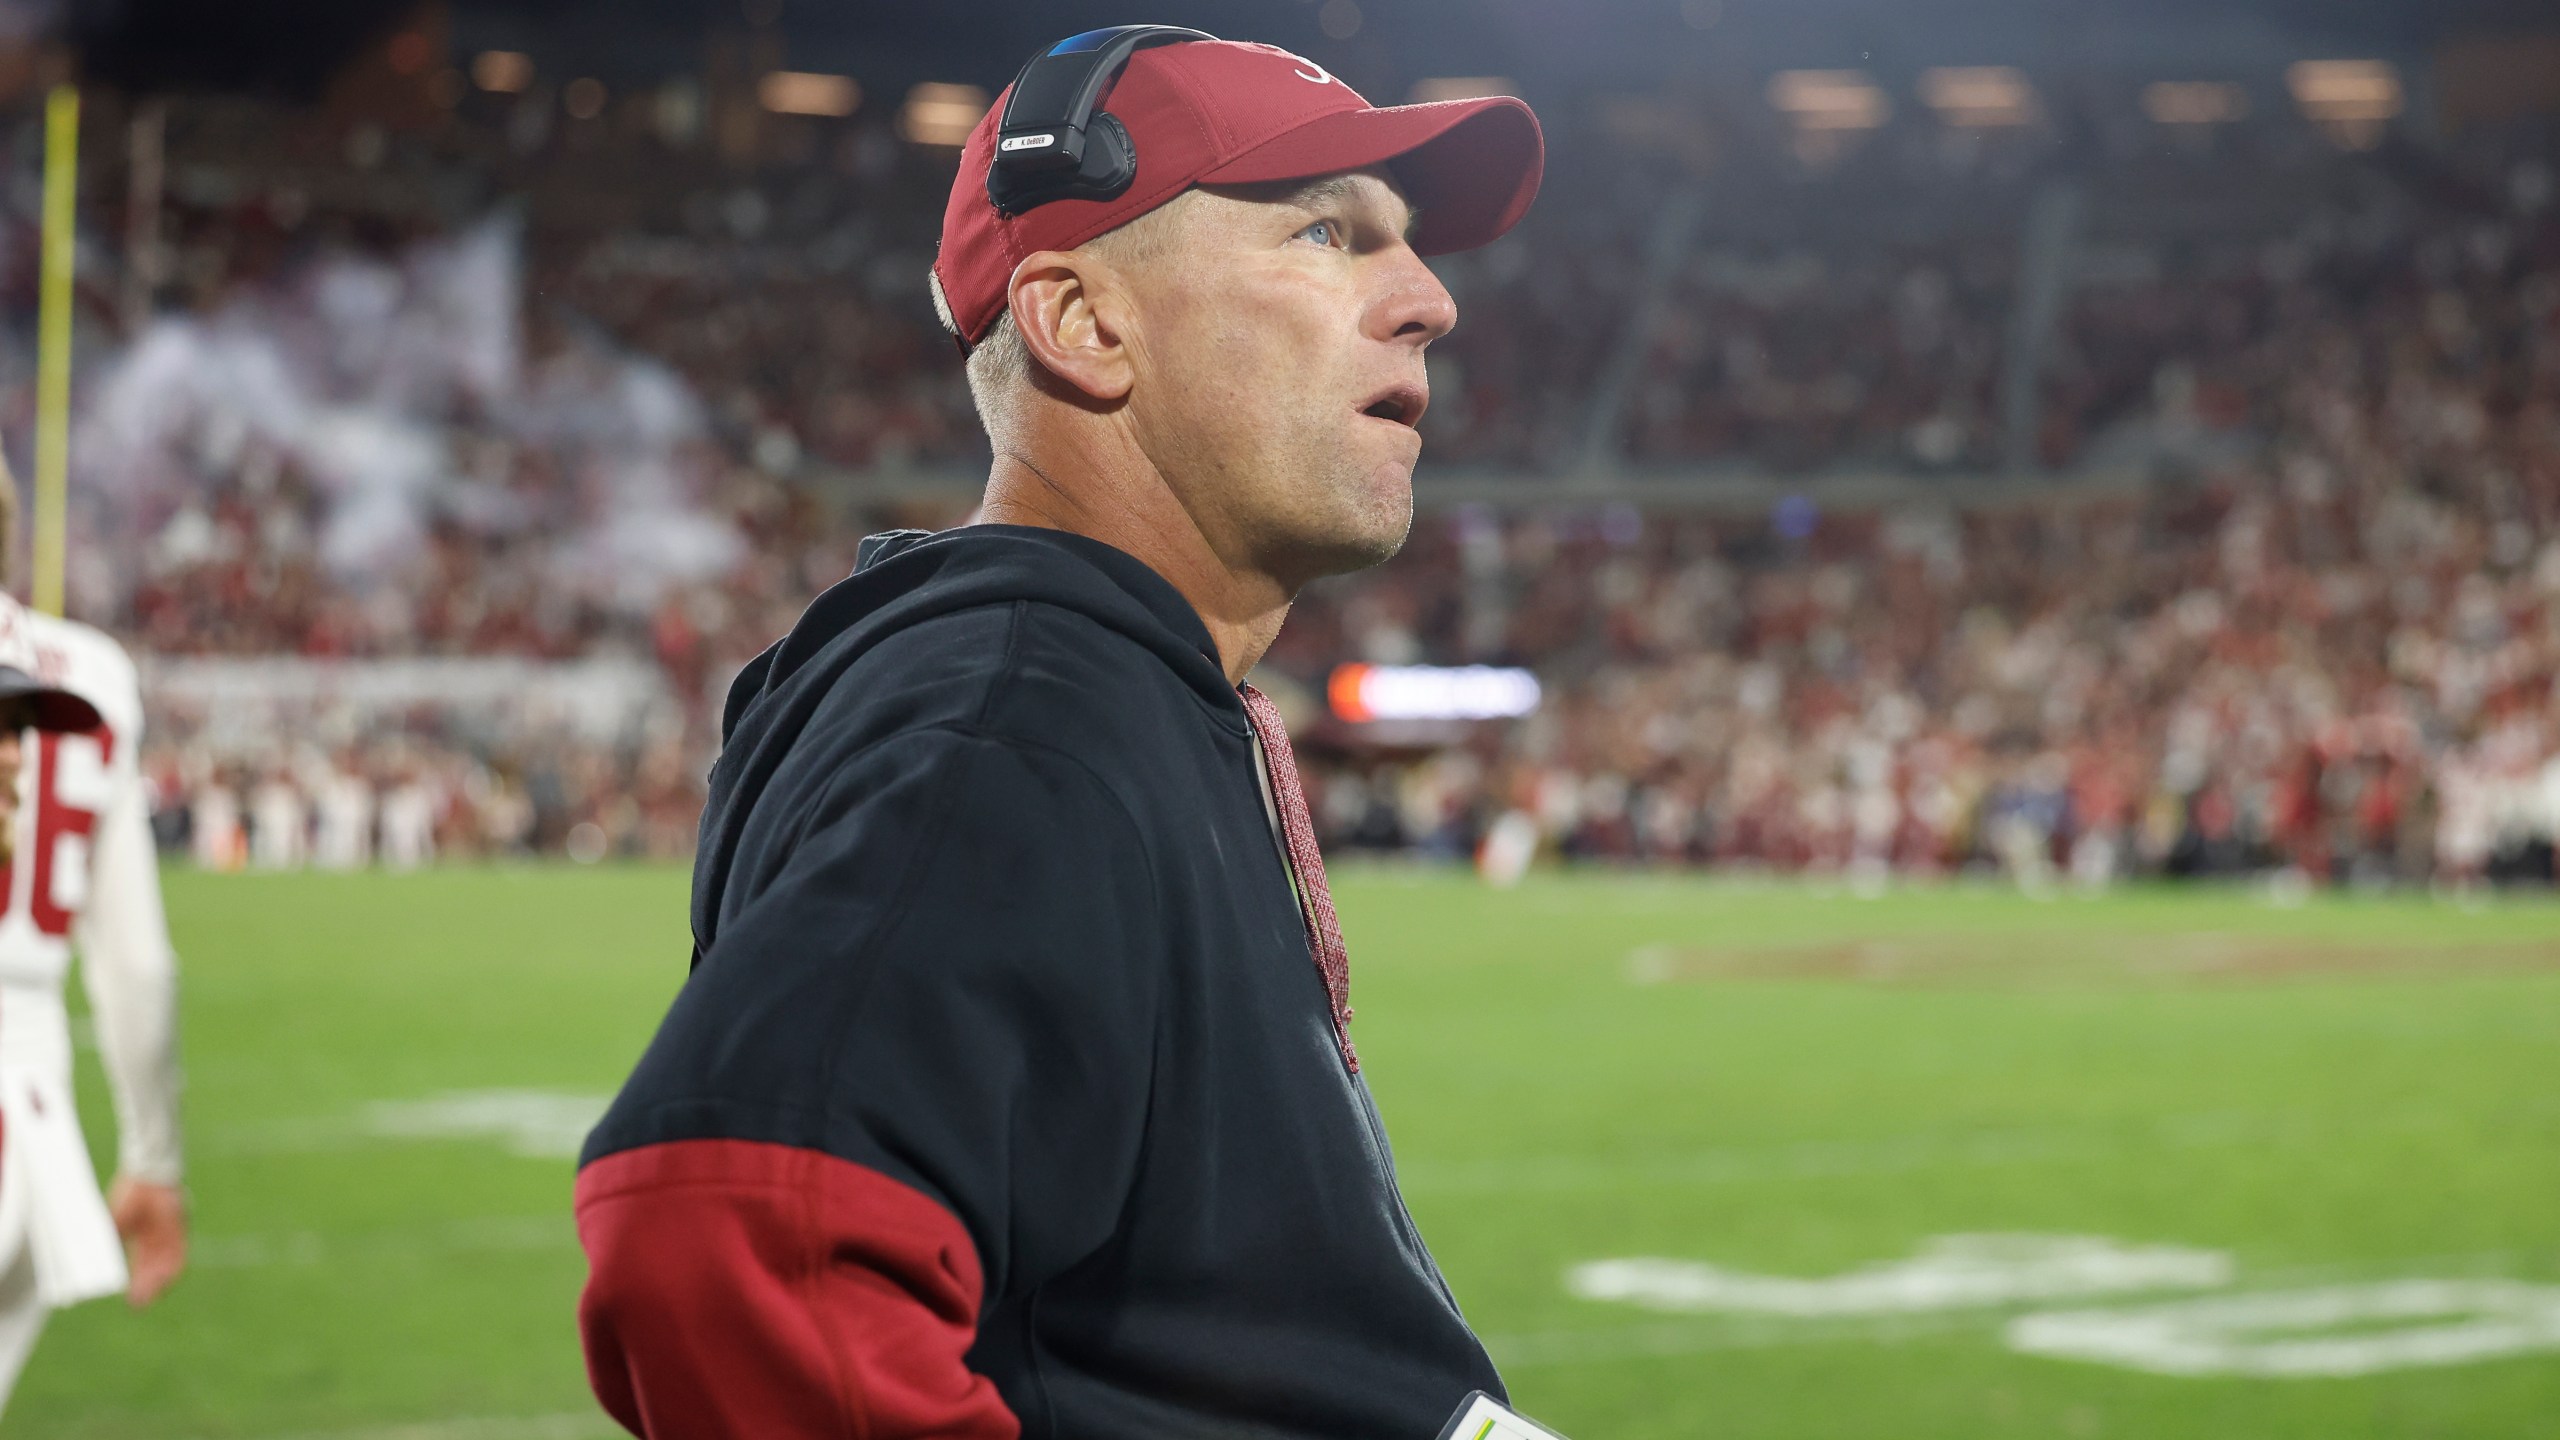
x=1073, y=319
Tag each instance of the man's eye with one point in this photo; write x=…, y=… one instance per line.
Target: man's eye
x=1323, y=232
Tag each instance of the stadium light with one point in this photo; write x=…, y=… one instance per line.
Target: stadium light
x=799, y=92
x=505, y=71
x=2351, y=99
x=2194, y=102
x=1362, y=693
x=937, y=114
x=1979, y=96
x=1829, y=99
x=2345, y=89
x=1463, y=87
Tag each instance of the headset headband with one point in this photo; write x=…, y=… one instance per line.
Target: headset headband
x=1052, y=144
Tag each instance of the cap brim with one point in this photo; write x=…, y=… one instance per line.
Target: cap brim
x=55, y=708
x=1470, y=167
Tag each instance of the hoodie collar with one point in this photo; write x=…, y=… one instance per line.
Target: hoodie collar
x=1125, y=570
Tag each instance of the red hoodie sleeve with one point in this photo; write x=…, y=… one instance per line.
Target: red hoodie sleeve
x=746, y=1289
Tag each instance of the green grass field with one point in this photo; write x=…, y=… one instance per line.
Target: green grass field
x=1776, y=1082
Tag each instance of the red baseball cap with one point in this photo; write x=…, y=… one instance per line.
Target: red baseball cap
x=1231, y=112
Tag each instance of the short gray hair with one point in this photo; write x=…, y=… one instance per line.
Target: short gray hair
x=999, y=367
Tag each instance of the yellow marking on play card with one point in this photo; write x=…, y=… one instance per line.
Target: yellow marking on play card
x=1485, y=1418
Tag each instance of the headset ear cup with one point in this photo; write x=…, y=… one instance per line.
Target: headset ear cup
x=1110, y=158
x=1109, y=168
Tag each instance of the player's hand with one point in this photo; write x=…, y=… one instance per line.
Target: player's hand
x=153, y=1221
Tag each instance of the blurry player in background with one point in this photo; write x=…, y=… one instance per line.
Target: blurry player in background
x=79, y=866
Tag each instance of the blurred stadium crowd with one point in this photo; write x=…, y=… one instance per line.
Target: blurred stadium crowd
x=2283, y=591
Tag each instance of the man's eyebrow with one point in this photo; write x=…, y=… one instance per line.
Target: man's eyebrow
x=1327, y=190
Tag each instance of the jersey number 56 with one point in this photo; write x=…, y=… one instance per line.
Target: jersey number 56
x=77, y=764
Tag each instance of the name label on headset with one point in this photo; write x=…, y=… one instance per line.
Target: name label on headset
x=1028, y=142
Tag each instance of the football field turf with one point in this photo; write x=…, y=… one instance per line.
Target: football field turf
x=1700, y=1159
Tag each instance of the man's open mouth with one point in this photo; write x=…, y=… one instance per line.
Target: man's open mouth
x=1402, y=404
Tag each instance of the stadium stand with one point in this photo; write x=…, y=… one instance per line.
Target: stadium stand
x=2091, y=500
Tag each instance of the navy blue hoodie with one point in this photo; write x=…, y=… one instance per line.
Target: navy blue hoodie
x=1005, y=1093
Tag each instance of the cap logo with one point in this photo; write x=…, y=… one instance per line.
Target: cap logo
x=1029, y=142
x=1321, y=77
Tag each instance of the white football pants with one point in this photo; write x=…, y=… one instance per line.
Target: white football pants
x=22, y=1318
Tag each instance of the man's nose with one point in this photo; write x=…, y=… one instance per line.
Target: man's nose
x=1413, y=306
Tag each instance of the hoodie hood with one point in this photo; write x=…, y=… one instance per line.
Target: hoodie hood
x=903, y=578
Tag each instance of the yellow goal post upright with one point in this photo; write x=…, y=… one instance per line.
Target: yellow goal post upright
x=53, y=349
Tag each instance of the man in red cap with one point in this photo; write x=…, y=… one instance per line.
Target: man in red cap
x=1013, y=1090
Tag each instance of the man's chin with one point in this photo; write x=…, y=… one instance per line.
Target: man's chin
x=1391, y=511
x=1376, y=550
x=1369, y=533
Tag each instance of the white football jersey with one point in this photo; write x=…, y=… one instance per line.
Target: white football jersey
x=83, y=874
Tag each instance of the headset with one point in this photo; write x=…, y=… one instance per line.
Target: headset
x=1052, y=144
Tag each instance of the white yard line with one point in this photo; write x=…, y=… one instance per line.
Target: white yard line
x=2477, y=1271
x=535, y=1124
x=1949, y=1272
x=2275, y=1334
